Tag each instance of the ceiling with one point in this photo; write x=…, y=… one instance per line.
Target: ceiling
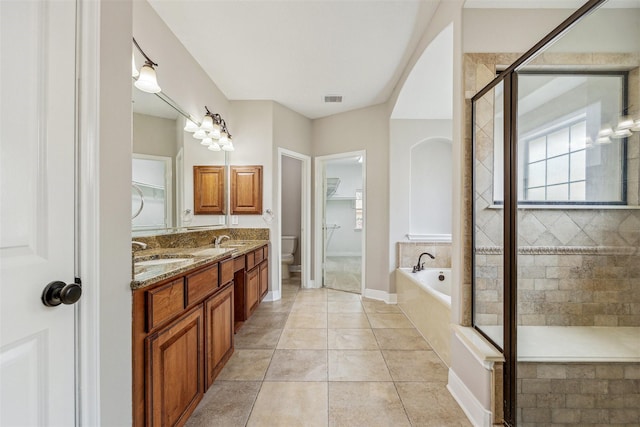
x=297, y=52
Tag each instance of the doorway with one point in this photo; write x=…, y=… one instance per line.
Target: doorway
x=294, y=221
x=340, y=231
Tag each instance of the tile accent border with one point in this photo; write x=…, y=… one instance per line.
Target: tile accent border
x=560, y=250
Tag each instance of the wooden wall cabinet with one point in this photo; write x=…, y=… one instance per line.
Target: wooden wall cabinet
x=246, y=190
x=208, y=190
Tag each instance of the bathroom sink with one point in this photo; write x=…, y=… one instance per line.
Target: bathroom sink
x=160, y=261
x=212, y=251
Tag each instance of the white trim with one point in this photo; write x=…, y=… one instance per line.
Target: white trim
x=168, y=185
x=305, y=232
x=318, y=214
x=272, y=296
x=446, y=238
x=473, y=409
x=88, y=118
x=380, y=296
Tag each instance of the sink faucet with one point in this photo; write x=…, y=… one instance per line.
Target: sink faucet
x=218, y=240
x=420, y=265
x=141, y=245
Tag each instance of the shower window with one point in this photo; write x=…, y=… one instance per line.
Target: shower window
x=555, y=164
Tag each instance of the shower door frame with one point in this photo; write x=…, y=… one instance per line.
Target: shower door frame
x=509, y=78
x=319, y=212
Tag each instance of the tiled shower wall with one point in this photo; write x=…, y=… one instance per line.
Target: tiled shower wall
x=578, y=394
x=576, y=267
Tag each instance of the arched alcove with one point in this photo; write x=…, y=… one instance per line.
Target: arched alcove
x=431, y=189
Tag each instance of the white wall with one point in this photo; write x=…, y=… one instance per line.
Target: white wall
x=291, y=200
x=364, y=129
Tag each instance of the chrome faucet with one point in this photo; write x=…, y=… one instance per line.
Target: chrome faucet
x=141, y=245
x=218, y=240
x=420, y=265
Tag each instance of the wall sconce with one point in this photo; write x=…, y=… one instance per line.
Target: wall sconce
x=213, y=132
x=146, y=78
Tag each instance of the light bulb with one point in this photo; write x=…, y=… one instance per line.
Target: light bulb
x=214, y=147
x=134, y=69
x=190, y=126
x=621, y=133
x=147, y=81
x=200, y=134
x=215, y=132
x=224, y=138
x=207, y=123
x=206, y=141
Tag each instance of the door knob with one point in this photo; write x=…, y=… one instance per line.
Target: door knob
x=56, y=293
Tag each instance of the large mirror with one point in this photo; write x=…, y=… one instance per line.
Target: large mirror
x=163, y=156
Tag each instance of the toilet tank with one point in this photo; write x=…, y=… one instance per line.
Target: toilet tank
x=288, y=244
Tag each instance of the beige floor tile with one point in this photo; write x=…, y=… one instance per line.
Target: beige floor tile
x=298, y=365
x=342, y=296
x=303, y=320
x=389, y=320
x=291, y=404
x=352, y=339
x=226, y=403
x=251, y=337
x=431, y=404
x=400, y=339
x=371, y=306
x=267, y=320
x=415, y=365
x=348, y=320
x=246, y=365
x=309, y=307
x=301, y=339
x=280, y=306
x=345, y=307
x=365, y=404
x=357, y=365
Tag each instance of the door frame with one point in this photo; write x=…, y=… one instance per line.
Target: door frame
x=305, y=220
x=319, y=166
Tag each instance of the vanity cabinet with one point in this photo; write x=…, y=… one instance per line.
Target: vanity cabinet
x=182, y=337
x=251, y=282
x=246, y=190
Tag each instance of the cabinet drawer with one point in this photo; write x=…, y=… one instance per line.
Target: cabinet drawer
x=251, y=260
x=238, y=263
x=259, y=255
x=201, y=284
x=164, y=302
x=226, y=271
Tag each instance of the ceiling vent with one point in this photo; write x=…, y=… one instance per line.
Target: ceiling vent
x=333, y=98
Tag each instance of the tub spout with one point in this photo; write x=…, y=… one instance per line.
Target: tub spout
x=420, y=265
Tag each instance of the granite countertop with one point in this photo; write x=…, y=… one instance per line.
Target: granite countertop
x=152, y=266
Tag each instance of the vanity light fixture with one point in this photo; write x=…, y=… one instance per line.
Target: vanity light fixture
x=206, y=141
x=621, y=133
x=190, y=126
x=214, y=147
x=147, y=81
x=213, y=132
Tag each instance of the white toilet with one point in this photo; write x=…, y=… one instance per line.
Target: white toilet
x=288, y=246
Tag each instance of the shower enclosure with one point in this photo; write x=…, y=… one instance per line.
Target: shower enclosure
x=556, y=230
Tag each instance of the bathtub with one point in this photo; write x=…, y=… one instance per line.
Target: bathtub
x=426, y=301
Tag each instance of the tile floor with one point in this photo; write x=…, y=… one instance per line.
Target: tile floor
x=327, y=358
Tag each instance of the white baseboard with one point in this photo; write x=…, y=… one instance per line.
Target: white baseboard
x=380, y=296
x=272, y=296
x=473, y=409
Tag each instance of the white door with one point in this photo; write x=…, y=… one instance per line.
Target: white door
x=37, y=127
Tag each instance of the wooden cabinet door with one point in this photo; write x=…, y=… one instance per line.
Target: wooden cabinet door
x=246, y=190
x=264, y=278
x=208, y=190
x=218, y=314
x=252, y=292
x=175, y=370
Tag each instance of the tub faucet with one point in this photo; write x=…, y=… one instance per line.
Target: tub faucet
x=218, y=240
x=420, y=265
